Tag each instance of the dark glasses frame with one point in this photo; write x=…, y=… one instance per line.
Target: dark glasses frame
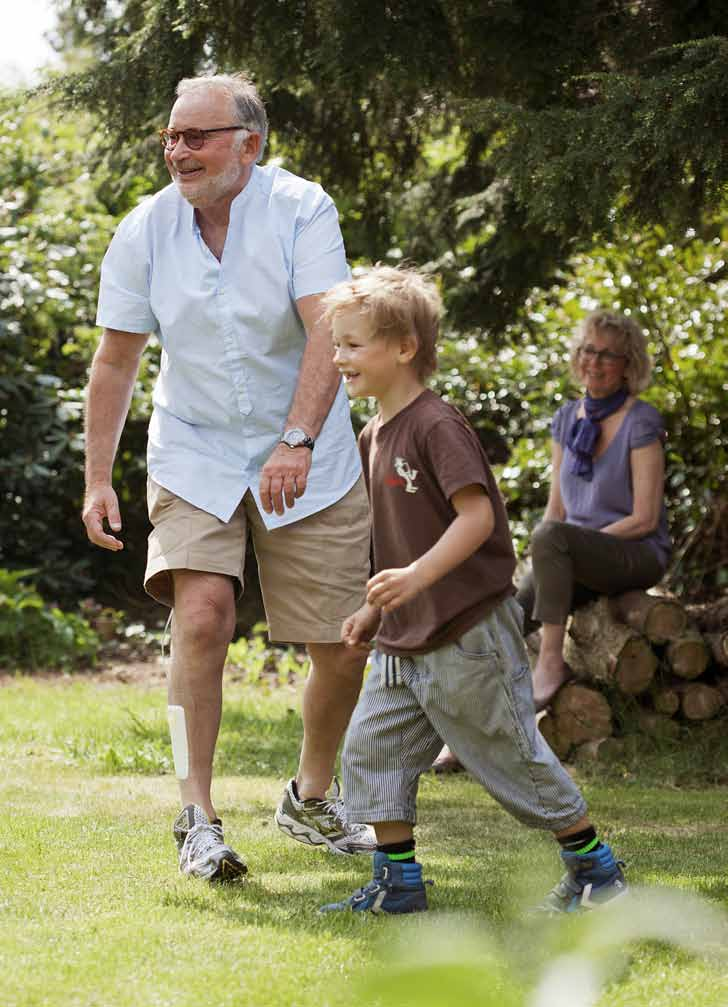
x=194, y=138
x=608, y=356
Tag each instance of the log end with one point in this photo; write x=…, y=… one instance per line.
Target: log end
x=666, y=621
x=688, y=657
x=581, y=714
x=635, y=667
x=701, y=702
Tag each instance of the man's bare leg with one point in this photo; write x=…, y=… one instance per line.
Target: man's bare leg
x=329, y=697
x=202, y=627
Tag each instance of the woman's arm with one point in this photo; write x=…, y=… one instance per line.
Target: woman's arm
x=648, y=488
x=555, y=510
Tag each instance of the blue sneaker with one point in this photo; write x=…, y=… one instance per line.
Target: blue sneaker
x=591, y=879
x=396, y=887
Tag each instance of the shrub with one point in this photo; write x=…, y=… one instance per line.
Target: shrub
x=34, y=634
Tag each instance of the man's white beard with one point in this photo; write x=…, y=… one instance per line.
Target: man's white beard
x=209, y=190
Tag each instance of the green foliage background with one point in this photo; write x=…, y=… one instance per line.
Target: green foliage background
x=540, y=161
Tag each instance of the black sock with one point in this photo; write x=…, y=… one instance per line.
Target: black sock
x=581, y=842
x=399, y=852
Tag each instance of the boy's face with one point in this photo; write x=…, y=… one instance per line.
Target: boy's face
x=367, y=362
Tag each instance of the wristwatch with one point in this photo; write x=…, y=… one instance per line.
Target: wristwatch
x=297, y=438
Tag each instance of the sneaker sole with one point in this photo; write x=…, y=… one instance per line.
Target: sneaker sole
x=229, y=870
x=578, y=906
x=308, y=836
x=224, y=871
x=587, y=905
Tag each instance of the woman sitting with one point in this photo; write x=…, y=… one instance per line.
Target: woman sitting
x=605, y=527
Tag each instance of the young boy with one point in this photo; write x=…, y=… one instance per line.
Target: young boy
x=449, y=664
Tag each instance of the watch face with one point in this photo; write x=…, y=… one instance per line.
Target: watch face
x=297, y=438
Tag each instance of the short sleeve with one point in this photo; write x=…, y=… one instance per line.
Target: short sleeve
x=558, y=425
x=455, y=457
x=645, y=429
x=364, y=442
x=124, y=287
x=319, y=259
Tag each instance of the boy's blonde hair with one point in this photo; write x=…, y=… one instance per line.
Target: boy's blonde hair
x=398, y=302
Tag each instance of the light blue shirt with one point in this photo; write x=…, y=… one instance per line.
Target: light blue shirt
x=231, y=337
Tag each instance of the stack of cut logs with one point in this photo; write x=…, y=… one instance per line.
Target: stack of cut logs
x=671, y=659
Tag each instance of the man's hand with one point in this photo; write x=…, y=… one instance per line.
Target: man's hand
x=391, y=588
x=284, y=478
x=359, y=628
x=101, y=502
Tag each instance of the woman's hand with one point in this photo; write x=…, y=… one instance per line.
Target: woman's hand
x=647, y=465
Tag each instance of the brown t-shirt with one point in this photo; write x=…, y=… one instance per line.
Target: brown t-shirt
x=412, y=466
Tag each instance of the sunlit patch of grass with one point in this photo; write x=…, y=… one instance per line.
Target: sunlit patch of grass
x=93, y=910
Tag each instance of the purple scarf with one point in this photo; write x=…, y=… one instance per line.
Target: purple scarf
x=584, y=434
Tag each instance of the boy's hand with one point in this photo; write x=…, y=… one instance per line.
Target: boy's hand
x=359, y=628
x=391, y=588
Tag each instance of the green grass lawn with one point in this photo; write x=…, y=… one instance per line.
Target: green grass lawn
x=93, y=912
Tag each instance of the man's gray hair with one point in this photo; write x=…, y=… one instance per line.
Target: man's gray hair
x=248, y=103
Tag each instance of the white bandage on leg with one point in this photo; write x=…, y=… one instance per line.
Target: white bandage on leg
x=178, y=733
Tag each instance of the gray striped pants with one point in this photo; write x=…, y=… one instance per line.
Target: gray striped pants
x=475, y=695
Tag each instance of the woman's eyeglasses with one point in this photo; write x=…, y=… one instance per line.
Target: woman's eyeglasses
x=603, y=356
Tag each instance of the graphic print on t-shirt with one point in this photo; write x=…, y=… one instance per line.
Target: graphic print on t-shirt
x=405, y=470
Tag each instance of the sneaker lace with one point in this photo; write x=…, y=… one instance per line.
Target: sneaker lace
x=201, y=840
x=335, y=807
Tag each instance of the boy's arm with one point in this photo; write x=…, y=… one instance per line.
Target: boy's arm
x=360, y=627
x=471, y=528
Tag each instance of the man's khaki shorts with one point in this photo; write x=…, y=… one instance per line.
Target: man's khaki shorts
x=313, y=572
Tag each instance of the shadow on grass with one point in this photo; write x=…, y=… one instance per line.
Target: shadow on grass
x=249, y=744
x=481, y=892
x=252, y=745
x=482, y=862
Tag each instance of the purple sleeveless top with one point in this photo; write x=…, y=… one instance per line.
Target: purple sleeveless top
x=608, y=497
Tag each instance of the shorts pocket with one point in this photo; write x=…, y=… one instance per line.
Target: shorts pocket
x=476, y=644
x=464, y=684
x=159, y=501
x=519, y=687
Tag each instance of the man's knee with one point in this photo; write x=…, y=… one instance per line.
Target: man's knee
x=204, y=610
x=548, y=537
x=336, y=661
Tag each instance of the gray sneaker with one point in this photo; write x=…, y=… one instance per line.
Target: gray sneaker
x=322, y=823
x=202, y=849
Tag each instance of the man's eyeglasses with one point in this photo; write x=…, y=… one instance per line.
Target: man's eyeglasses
x=603, y=356
x=194, y=138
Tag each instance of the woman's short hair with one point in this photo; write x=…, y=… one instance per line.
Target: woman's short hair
x=398, y=302
x=248, y=103
x=630, y=340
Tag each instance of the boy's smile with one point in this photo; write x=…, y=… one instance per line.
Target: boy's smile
x=367, y=362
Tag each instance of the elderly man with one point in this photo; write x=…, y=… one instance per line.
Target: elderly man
x=250, y=433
